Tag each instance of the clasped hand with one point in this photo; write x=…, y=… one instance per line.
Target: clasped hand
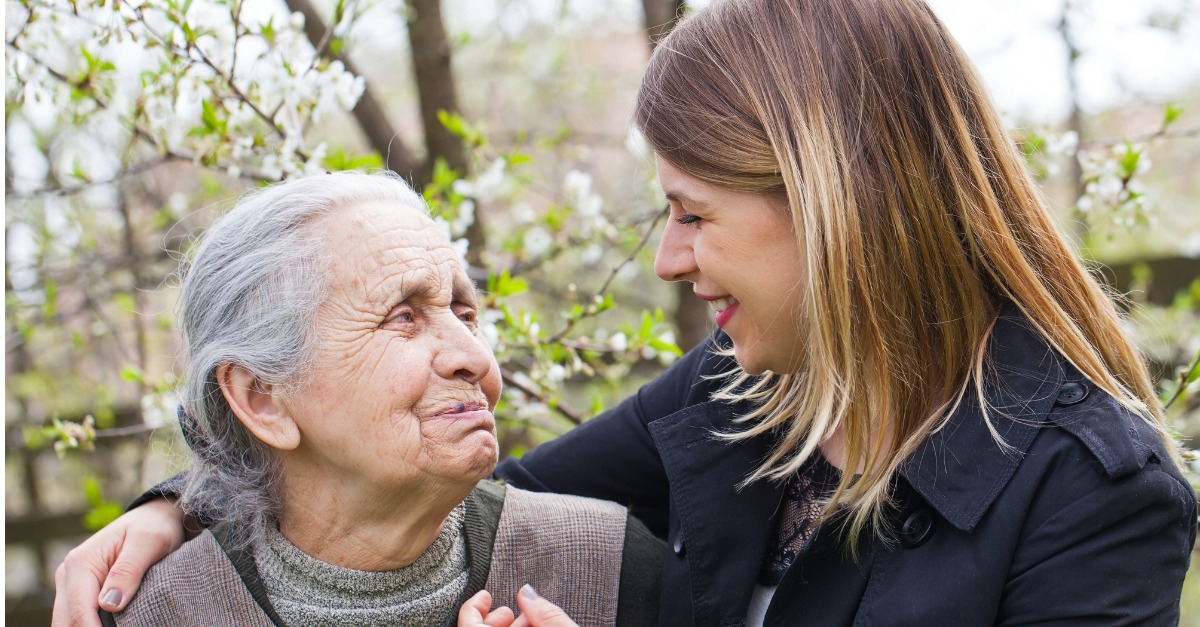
x=535, y=612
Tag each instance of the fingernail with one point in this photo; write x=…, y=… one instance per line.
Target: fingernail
x=528, y=592
x=112, y=598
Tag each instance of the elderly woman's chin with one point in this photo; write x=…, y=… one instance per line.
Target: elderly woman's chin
x=482, y=454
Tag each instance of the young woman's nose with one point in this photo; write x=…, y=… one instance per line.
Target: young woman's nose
x=463, y=355
x=675, y=259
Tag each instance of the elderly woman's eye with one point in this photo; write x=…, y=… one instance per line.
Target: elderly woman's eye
x=468, y=316
x=401, y=316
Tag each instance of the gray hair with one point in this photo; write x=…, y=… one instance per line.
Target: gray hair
x=249, y=298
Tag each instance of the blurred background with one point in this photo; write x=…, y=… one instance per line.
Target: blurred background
x=131, y=124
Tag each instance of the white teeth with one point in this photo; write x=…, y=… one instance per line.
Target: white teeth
x=721, y=304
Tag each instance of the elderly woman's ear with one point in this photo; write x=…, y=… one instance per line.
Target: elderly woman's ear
x=258, y=406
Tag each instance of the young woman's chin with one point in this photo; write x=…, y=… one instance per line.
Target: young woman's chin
x=752, y=361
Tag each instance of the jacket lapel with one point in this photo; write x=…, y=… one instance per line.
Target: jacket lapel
x=724, y=529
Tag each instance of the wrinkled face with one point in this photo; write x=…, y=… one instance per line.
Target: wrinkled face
x=741, y=254
x=404, y=385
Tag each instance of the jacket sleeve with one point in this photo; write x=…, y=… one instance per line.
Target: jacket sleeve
x=612, y=456
x=1114, y=554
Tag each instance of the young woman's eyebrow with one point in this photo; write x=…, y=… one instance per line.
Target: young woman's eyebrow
x=681, y=197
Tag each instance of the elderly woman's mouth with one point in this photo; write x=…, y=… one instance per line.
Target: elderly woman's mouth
x=463, y=409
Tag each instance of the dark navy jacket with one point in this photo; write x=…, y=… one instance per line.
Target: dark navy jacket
x=1084, y=521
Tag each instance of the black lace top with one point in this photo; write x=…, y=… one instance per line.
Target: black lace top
x=797, y=517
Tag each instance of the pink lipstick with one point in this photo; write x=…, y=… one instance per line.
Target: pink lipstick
x=724, y=315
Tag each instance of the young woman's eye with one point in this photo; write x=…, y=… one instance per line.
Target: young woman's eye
x=688, y=218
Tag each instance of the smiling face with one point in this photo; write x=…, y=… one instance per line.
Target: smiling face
x=741, y=254
x=403, y=385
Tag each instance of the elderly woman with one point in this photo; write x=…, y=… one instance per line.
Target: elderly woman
x=339, y=399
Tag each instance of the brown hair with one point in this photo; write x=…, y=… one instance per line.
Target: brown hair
x=913, y=210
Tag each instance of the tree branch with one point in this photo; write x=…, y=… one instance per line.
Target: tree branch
x=369, y=113
x=557, y=337
x=511, y=380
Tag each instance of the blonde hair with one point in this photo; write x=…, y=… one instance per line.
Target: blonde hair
x=914, y=213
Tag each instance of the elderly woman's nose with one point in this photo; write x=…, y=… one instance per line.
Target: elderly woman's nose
x=675, y=259
x=463, y=355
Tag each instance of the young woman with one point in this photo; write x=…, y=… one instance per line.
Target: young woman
x=920, y=408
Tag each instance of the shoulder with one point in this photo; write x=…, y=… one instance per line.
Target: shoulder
x=587, y=555
x=181, y=588
x=189, y=566
x=1073, y=437
x=1095, y=462
x=561, y=514
x=1121, y=441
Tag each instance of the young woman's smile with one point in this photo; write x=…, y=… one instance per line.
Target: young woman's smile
x=741, y=253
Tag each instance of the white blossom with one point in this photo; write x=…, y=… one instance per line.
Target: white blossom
x=491, y=183
x=556, y=373
x=636, y=143
x=464, y=218
x=537, y=241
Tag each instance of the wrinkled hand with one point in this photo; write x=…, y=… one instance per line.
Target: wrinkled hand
x=538, y=612
x=107, y=569
x=474, y=612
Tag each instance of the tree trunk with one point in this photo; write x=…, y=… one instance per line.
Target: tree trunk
x=660, y=18
x=1075, y=119
x=434, y=72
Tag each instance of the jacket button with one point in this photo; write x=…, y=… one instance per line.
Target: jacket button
x=917, y=528
x=1071, y=392
x=679, y=547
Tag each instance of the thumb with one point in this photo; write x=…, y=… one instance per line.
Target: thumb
x=539, y=612
x=143, y=541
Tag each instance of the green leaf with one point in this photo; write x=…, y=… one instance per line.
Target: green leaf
x=268, y=31
x=504, y=284
x=666, y=347
x=124, y=301
x=208, y=115
x=50, y=307
x=459, y=126
x=1171, y=113
x=132, y=374
x=102, y=511
x=452, y=121
x=1129, y=162
x=78, y=172
x=515, y=158
x=338, y=160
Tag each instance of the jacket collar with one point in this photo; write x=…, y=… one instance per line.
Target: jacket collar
x=961, y=469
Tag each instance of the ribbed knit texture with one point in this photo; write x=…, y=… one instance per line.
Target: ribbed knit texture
x=308, y=592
